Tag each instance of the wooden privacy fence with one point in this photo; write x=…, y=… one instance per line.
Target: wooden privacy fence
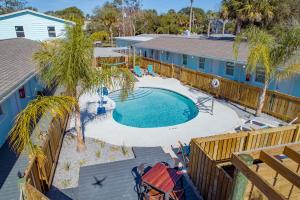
x=110, y=61
x=276, y=104
x=210, y=167
x=40, y=176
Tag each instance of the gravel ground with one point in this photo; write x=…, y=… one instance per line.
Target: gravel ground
x=69, y=163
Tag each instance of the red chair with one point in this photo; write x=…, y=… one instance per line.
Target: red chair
x=177, y=194
x=153, y=195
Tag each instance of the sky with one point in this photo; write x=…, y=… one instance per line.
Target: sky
x=87, y=6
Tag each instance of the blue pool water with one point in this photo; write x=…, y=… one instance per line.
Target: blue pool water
x=153, y=107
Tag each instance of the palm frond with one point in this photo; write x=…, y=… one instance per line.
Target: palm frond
x=27, y=120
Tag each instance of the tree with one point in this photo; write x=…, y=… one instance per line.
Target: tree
x=277, y=56
x=210, y=16
x=70, y=13
x=27, y=120
x=8, y=6
x=108, y=17
x=249, y=11
x=224, y=13
x=198, y=19
x=100, y=36
x=191, y=15
x=68, y=63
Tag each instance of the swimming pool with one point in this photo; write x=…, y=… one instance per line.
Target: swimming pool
x=153, y=107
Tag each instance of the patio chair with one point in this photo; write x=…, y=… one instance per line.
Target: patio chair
x=150, y=70
x=104, y=91
x=152, y=194
x=184, y=150
x=137, y=71
x=177, y=194
x=101, y=111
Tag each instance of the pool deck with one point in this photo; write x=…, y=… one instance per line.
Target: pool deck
x=223, y=119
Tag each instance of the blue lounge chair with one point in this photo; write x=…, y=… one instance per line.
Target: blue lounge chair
x=137, y=71
x=101, y=111
x=104, y=91
x=150, y=70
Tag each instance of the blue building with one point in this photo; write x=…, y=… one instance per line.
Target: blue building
x=31, y=25
x=211, y=56
x=18, y=80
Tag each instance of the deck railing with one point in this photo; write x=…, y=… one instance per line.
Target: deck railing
x=210, y=167
x=279, y=105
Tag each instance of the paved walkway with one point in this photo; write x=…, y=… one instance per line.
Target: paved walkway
x=116, y=180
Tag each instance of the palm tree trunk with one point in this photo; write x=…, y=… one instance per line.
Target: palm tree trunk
x=223, y=30
x=208, y=29
x=80, y=142
x=238, y=26
x=261, y=101
x=111, y=35
x=191, y=13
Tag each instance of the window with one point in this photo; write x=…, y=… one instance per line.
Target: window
x=229, y=69
x=184, y=59
x=51, y=31
x=167, y=55
x=201, y=63
x=20, y=31
x=260, y=75
x=145, y=54
x=151, y=53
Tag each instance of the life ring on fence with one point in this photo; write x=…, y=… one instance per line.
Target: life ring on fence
x=215, y=83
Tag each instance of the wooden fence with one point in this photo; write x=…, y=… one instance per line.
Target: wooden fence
x=40, y=176
x=110, y=61
x=210, y=167
x=276, y=104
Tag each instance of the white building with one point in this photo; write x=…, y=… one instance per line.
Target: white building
x=31, y=25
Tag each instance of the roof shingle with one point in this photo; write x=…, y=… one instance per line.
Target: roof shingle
x=16, y=63
x=220, y=49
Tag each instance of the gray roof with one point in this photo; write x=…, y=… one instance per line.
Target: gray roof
x=16, y=63
x=220, y=49
x=104, y=52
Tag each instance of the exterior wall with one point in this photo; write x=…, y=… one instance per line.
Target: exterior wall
x=125, y=43
x=35, y=26
x=218, y=68
x=12, y=105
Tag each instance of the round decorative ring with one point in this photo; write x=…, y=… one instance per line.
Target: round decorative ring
x=215, y=83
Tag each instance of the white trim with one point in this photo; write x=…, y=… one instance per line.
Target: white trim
x=37, y=13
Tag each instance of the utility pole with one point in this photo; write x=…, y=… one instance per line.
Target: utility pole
x=191, y=15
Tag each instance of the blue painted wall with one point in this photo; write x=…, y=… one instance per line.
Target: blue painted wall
x=218, y=68
x=13, y=104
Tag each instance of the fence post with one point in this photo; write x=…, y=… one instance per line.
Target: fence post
x=240, y=181
x=296, y=136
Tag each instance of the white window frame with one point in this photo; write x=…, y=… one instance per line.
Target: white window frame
x=229, y=67
x=18, y=31
x=201, y=63
x=51, y=32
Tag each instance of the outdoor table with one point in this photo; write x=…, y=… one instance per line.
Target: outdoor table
x=162, y=178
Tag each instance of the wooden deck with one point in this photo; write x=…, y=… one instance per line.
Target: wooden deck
x=115, y=180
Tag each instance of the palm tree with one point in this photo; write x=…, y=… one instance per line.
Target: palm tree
x=68, y=63
x=27, y=119
x=224, y=14
x=211, y=16
x=249, y=11
x=276, y=55
x=191, y=15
